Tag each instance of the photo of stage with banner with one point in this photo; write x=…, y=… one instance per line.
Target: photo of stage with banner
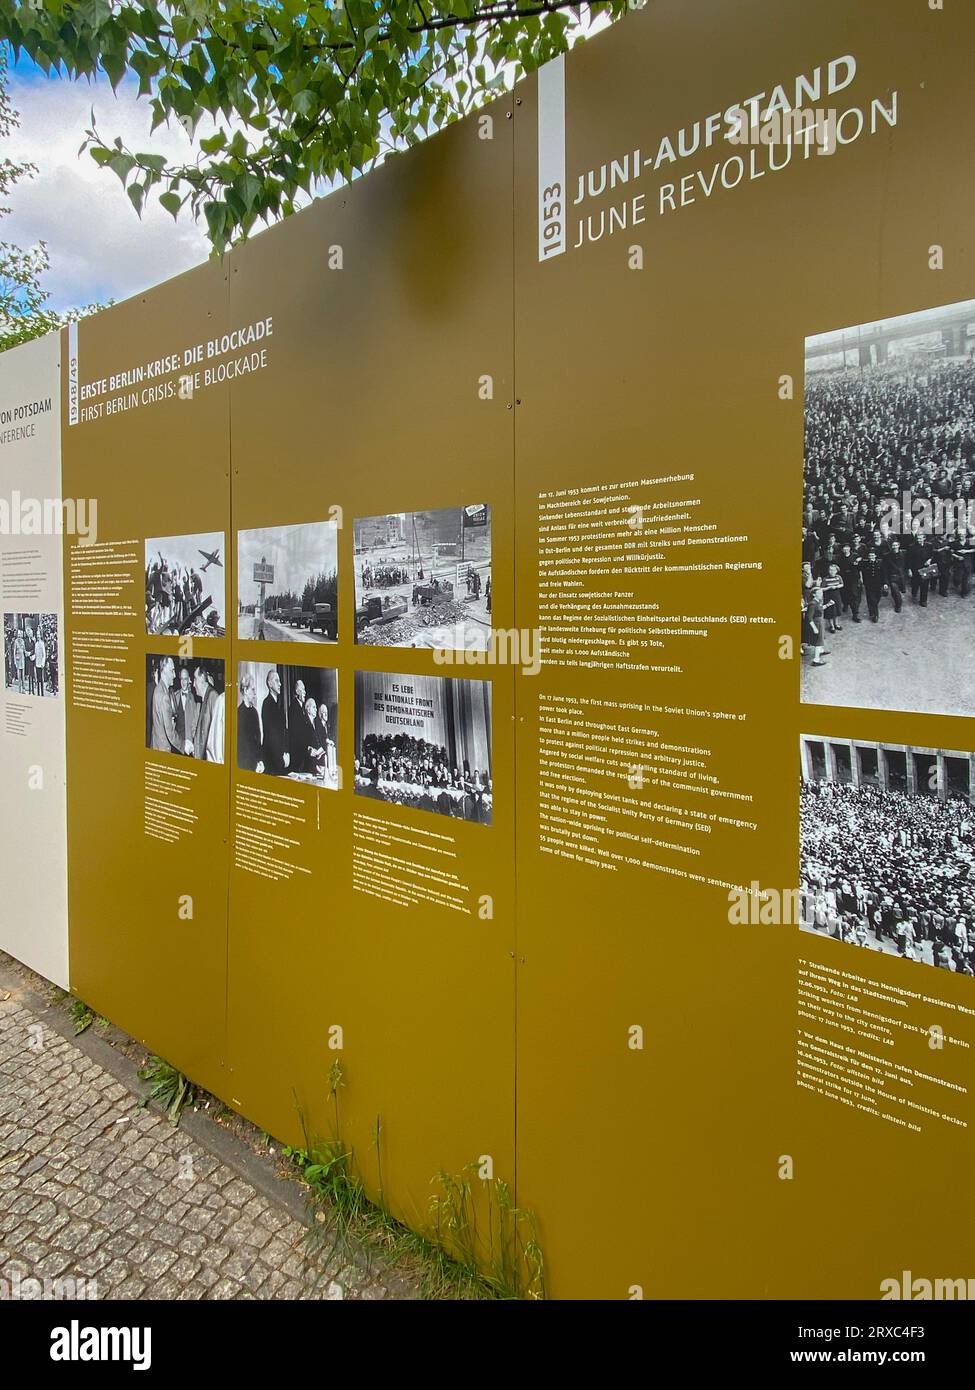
x=425, y=742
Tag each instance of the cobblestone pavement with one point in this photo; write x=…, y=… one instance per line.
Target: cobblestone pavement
x=93, y=1188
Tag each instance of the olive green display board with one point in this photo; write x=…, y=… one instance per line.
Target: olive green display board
x=672, y=374
x=542, y=376
x=147, y=915
x=387, y=318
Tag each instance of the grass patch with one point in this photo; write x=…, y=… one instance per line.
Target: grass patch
x=168, y=1087
x=479, y=1244
x=81, y=1014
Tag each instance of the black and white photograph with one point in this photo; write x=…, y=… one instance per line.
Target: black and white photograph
x=888, y=534
x=887, y=849
x=287, y=583
x=423, y=579
x=185, y=706
x=186, y=586
x=287, y=722
x=30, y=654
x=425, y=742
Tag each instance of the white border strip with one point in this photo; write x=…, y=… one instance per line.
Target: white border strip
x=74, y=381
x=551, y=159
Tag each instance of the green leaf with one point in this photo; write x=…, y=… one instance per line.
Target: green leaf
x=121, y=164
x=114, y=67
x=305, y=102
x=216, y=217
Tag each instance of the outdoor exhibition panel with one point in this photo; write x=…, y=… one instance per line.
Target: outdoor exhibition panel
x=372, y=892
x=148, y=824
x=33, y=905
x=664, y=356
x=513, y=667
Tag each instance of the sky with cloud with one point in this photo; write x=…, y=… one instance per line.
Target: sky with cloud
x=99, y=248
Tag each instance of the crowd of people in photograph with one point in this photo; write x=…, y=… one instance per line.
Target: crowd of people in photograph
x=172, y=594
x=411, y=772
x=384, y=574
x=31, y=653
x=185, y=710
x=890, y=871
x=874, y=436
x=296, y=741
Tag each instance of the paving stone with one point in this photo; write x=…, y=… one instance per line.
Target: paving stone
x=239, y=1263
x=226, y=1288
x=138, y=1209
x=131, y=1288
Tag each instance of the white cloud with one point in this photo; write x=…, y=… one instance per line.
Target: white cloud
x=98, y=246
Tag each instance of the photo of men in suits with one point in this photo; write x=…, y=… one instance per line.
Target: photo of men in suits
x=184, y=707
x=287, y=719
x=30, y=648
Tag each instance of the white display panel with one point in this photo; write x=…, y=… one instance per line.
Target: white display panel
x=33, y=888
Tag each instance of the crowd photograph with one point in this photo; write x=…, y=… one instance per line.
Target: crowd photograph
x=424, y=742
x=185, y=586
x=287, y=722
x=30, y=654
x=890, y=869
x=287, y=583
x=423, y=579
x=185, y=708
x=888, y=527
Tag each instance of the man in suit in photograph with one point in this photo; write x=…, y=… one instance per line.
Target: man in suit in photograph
x=186, y=708
x=208, y=698
x=324, y=733
x=40, y=659
x=249, y=750
x=313, y=743
x=296, y=717
x=276, y=754
x=20, y=659
x=165, y=739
